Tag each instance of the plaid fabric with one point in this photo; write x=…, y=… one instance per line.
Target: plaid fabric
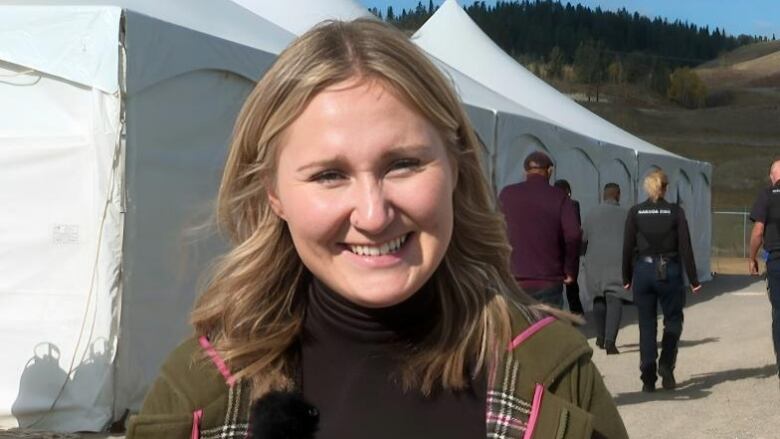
x=507, y=413
x=236, y=415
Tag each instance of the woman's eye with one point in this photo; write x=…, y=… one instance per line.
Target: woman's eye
x=404, y=164
x=327, y=176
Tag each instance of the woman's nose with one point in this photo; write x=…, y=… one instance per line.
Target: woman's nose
x=372, y=212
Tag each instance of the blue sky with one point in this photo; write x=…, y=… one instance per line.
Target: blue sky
x=754, y=17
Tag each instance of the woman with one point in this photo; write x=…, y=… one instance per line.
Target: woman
x=353, y=284
x=656, y=245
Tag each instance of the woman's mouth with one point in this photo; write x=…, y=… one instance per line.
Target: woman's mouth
x=382, y=249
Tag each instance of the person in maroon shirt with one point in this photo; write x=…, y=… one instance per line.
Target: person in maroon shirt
x=543, y=231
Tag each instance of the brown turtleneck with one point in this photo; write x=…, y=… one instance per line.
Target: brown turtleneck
x=350, y=372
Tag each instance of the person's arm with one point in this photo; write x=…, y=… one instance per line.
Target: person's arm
x=186, y=383
x=629, y=243
x=572, y=235
x=585, y=234
x=758, y=216
x=577, y=208
x=756, y=240
x=685, y=249
x=167, y=410
x=585, y=388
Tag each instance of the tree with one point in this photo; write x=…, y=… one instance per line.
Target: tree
x=590, y=65
x=555, y=63
x=636, y=67
x=390, y=16
x=687, y=89
x=616, y=72
x=377, y=13
x=659, y=77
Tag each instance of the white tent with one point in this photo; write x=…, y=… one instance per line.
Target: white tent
x=114, y=125
x=590, y=151
x=298, y=16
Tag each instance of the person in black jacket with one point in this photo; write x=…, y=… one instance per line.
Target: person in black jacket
x=766, y=231
x=656, y=247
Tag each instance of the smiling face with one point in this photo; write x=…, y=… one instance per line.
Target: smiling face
x=365, y=185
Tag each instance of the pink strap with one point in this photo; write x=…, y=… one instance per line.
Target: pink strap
x=535, y=409
x=217, y=360
x=531, y=330
x=197, y=415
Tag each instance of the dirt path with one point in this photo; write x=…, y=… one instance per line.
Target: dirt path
x=728, y=385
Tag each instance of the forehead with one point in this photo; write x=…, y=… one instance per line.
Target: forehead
x=356, y=115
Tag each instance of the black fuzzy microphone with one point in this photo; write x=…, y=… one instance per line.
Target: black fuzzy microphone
x=283, y=415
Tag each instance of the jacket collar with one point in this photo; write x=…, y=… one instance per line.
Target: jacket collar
x=537, y=179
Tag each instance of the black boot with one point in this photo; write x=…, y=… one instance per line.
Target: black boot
x=600, y=342
x=667, y=360
x=611, y=348
x=667, y=377
x=648, y=377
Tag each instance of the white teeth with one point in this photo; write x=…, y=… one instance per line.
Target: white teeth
x=379, y=250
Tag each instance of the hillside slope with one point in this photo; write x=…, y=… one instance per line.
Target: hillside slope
x=740, y=136
x=762, y=71
x=744, y=53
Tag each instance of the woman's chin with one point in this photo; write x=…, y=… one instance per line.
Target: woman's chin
x=372, y=295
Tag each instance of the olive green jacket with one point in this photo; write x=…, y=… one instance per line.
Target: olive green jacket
x=543, y=386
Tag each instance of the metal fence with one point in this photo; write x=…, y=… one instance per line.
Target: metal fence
x=731, y=233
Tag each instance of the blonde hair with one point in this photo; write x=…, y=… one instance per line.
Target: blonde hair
x=253, y=307
x=655, y=184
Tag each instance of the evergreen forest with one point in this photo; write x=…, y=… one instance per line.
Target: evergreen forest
x=530, y=30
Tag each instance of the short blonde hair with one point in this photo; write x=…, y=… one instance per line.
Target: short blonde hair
x=254, y=305
x=655, y=184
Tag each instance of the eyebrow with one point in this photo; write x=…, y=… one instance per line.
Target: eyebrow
x=395, y=152
x=328, y=163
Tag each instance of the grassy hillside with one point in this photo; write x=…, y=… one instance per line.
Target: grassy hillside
x=763, y=71
x=744, y=53
x=740, y=135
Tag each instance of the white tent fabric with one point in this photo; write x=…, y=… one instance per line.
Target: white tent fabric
x=67, y=48
x=224, y=19
x=298, y=16
x=605, y=151
x=483, y=107
x=62, y=234
x=109, y=152
x=61, y=238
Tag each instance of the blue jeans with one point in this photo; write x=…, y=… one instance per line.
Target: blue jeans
x=773, y=278
x=648, y=292
x=552, y=296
